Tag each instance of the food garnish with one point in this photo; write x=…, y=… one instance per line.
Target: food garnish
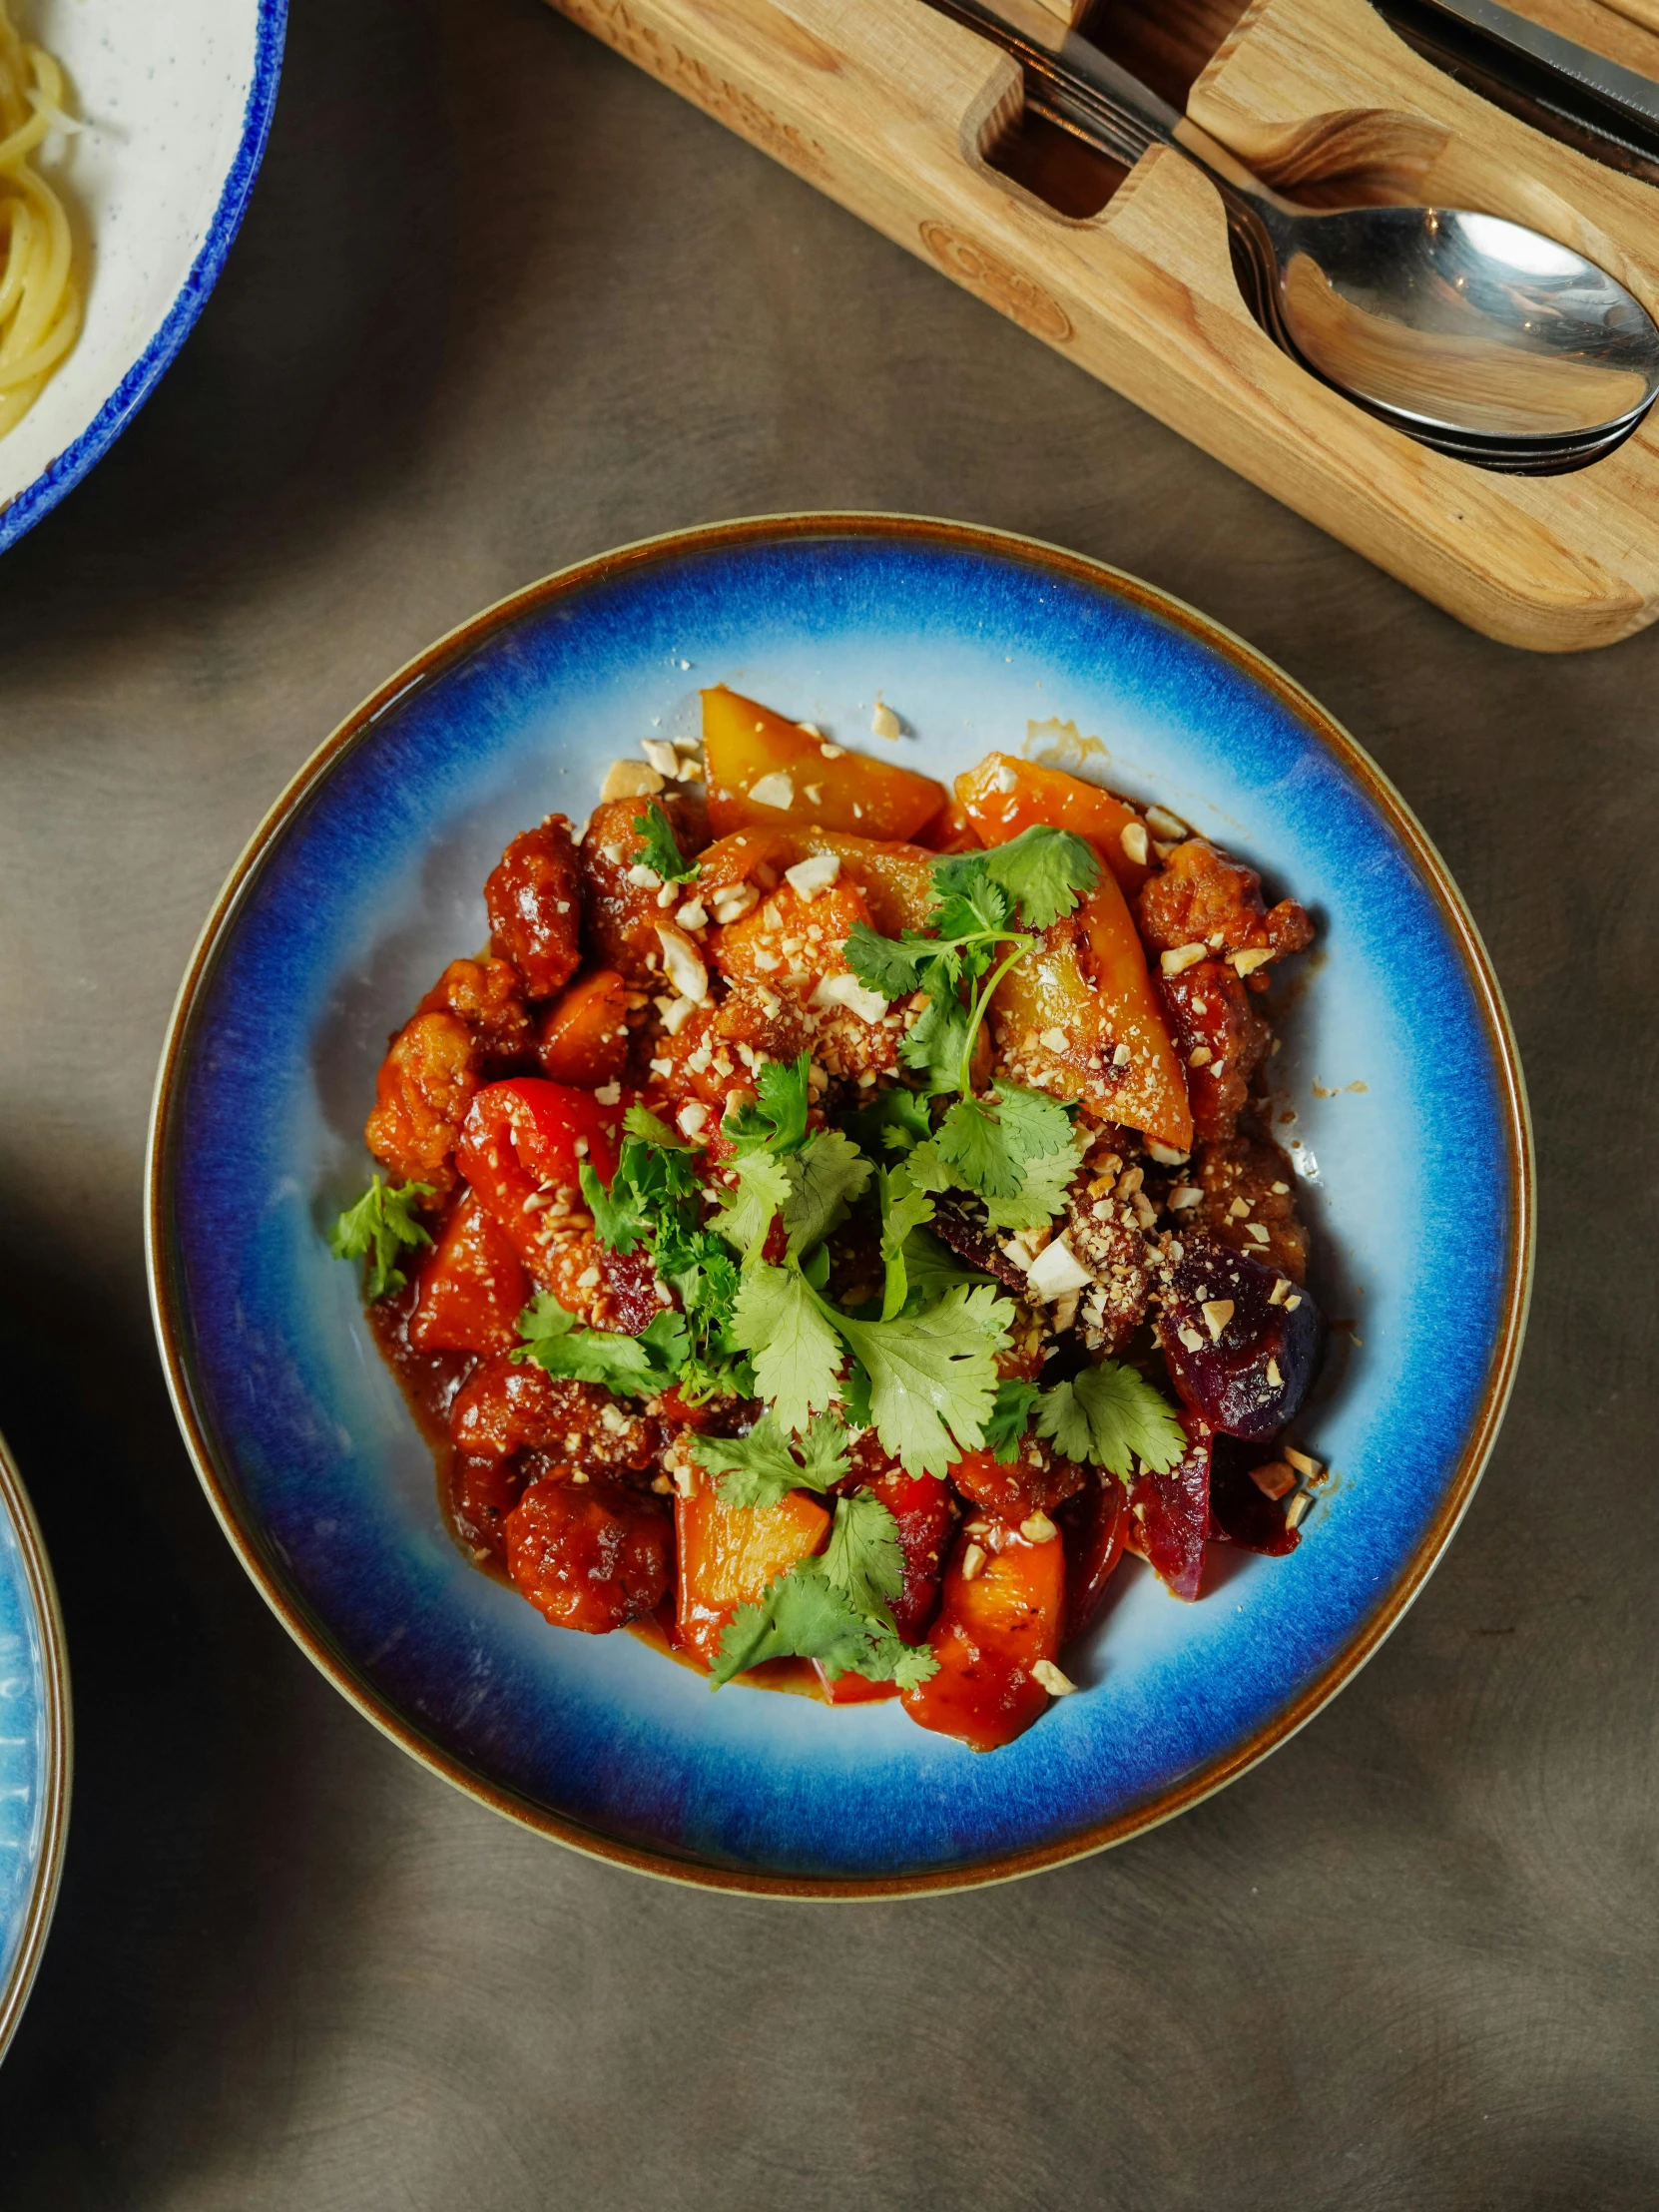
x=828, y=1318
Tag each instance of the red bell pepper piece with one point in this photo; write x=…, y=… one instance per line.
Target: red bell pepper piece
x=528, y=1135
x=1169, y=1514
x=472, y=1288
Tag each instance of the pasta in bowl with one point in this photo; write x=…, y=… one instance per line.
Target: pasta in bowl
x=114, y=233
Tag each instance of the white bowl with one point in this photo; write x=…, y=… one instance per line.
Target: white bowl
x=176, y=97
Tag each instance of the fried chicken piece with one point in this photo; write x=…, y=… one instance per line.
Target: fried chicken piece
x=534, y=900
x=1220, y=1040
x=618, y=917
x=513, y=1406
x=1200, y=897
x=1248, y=1202
x=470, y=1027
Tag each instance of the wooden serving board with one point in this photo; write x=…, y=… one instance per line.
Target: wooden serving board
x=902, y=117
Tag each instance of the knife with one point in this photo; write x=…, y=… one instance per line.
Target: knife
x=1596, y=104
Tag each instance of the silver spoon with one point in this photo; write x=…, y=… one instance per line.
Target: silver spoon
x=1471, y=333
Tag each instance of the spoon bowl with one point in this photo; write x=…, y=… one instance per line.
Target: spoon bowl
x=1475, y=335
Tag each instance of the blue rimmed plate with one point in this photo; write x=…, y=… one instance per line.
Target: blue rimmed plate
x=175, y=100
x=34, y=1747
x=366, y=878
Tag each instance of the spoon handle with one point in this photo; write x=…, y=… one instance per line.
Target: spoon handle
x=1100, y=98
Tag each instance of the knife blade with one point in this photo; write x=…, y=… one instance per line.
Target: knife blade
x=1604, y=109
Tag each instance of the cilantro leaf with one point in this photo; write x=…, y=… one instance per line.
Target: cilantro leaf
x=932, y=1375
x=1113, y=1416
x=971, y=901
x=760, y=1468
x=825, y=1177
x=1044, y=870
x=893, y=1121
x=905, y=1210
x=836, y=1609
x=1011, y=1418
x=377, y=1228
x=939, y=1041
x=639, y=1122
x=892, y=965
x=660, y=849
x=778, y=1320
x=802, y=1616
x=778, y=1119
x=639, y=1365
x=865, y=1558
x=986, y=1145
x=1043, y=1190
x=932, y=1269
x=617, y=1220
x=746, y=1214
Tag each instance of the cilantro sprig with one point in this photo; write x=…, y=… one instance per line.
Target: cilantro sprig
x=655, y=1200
x=1015, y=1149
x=379, y=1227
x=660, y=848
x=990, y=907
x=1112, y=1416
x=835, y=1608
x=762, y=1467
x=637, y=1366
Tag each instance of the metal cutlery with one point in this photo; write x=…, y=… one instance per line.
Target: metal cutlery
x=1474, y=335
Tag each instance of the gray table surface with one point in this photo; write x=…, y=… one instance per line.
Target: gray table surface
x=501, y=301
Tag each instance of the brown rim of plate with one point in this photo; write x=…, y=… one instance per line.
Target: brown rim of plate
x=317, y=1641
x=37, y=1573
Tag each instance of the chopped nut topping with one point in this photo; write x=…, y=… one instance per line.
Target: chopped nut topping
x=1277, y=1295
x=1165, y=825
x=1296, y=1510
x=1039, y=1529
x=1217, y=1311
x=1183, y=1196
x=1200, y=1056
x=1133, y=839
x=629, y=780
x=731, y=903
x=1165, y=1154
x=644, y=879
x=773, y=789
x=973, y=1562
x=1120, y=1056
x=1246, y=964
x=1303, y=1461
x=1183, y=957
x=1055, y=1270
x=847, y=991
x=684, y=967
x=1053, y=1039
x=884, y=723
x=1275, y=1480
x=1274, y=1376
x=693, y=1118
x=1053, y=1680
x=692, y=914
x=808, y=878
x=661, y=754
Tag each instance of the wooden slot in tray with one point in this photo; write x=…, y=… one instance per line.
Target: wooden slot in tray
x=904, y=118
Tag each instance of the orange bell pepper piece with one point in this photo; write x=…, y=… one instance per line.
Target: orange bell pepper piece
x=1087, y=984
x=896, y=880
x=745, y=745
x=989, y=1634
x=1004, y=797
x=730, y=1553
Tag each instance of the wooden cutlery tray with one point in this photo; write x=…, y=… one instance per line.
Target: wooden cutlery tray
x=919, y=127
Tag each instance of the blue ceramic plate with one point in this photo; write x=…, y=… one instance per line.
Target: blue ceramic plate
x=34, y=1747
x=367, y=877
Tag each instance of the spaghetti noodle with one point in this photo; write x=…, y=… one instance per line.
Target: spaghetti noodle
x=40, y=302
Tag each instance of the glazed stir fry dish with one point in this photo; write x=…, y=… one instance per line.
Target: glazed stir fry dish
x=836, y=1219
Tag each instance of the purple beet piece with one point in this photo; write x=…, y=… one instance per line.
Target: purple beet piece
x=1247, y=1364
x=1239, y=1514
x=1169, y=1515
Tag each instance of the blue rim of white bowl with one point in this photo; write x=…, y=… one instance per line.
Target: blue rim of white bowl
x=63, y=474
x=314, y=1636
x=19, y=1979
